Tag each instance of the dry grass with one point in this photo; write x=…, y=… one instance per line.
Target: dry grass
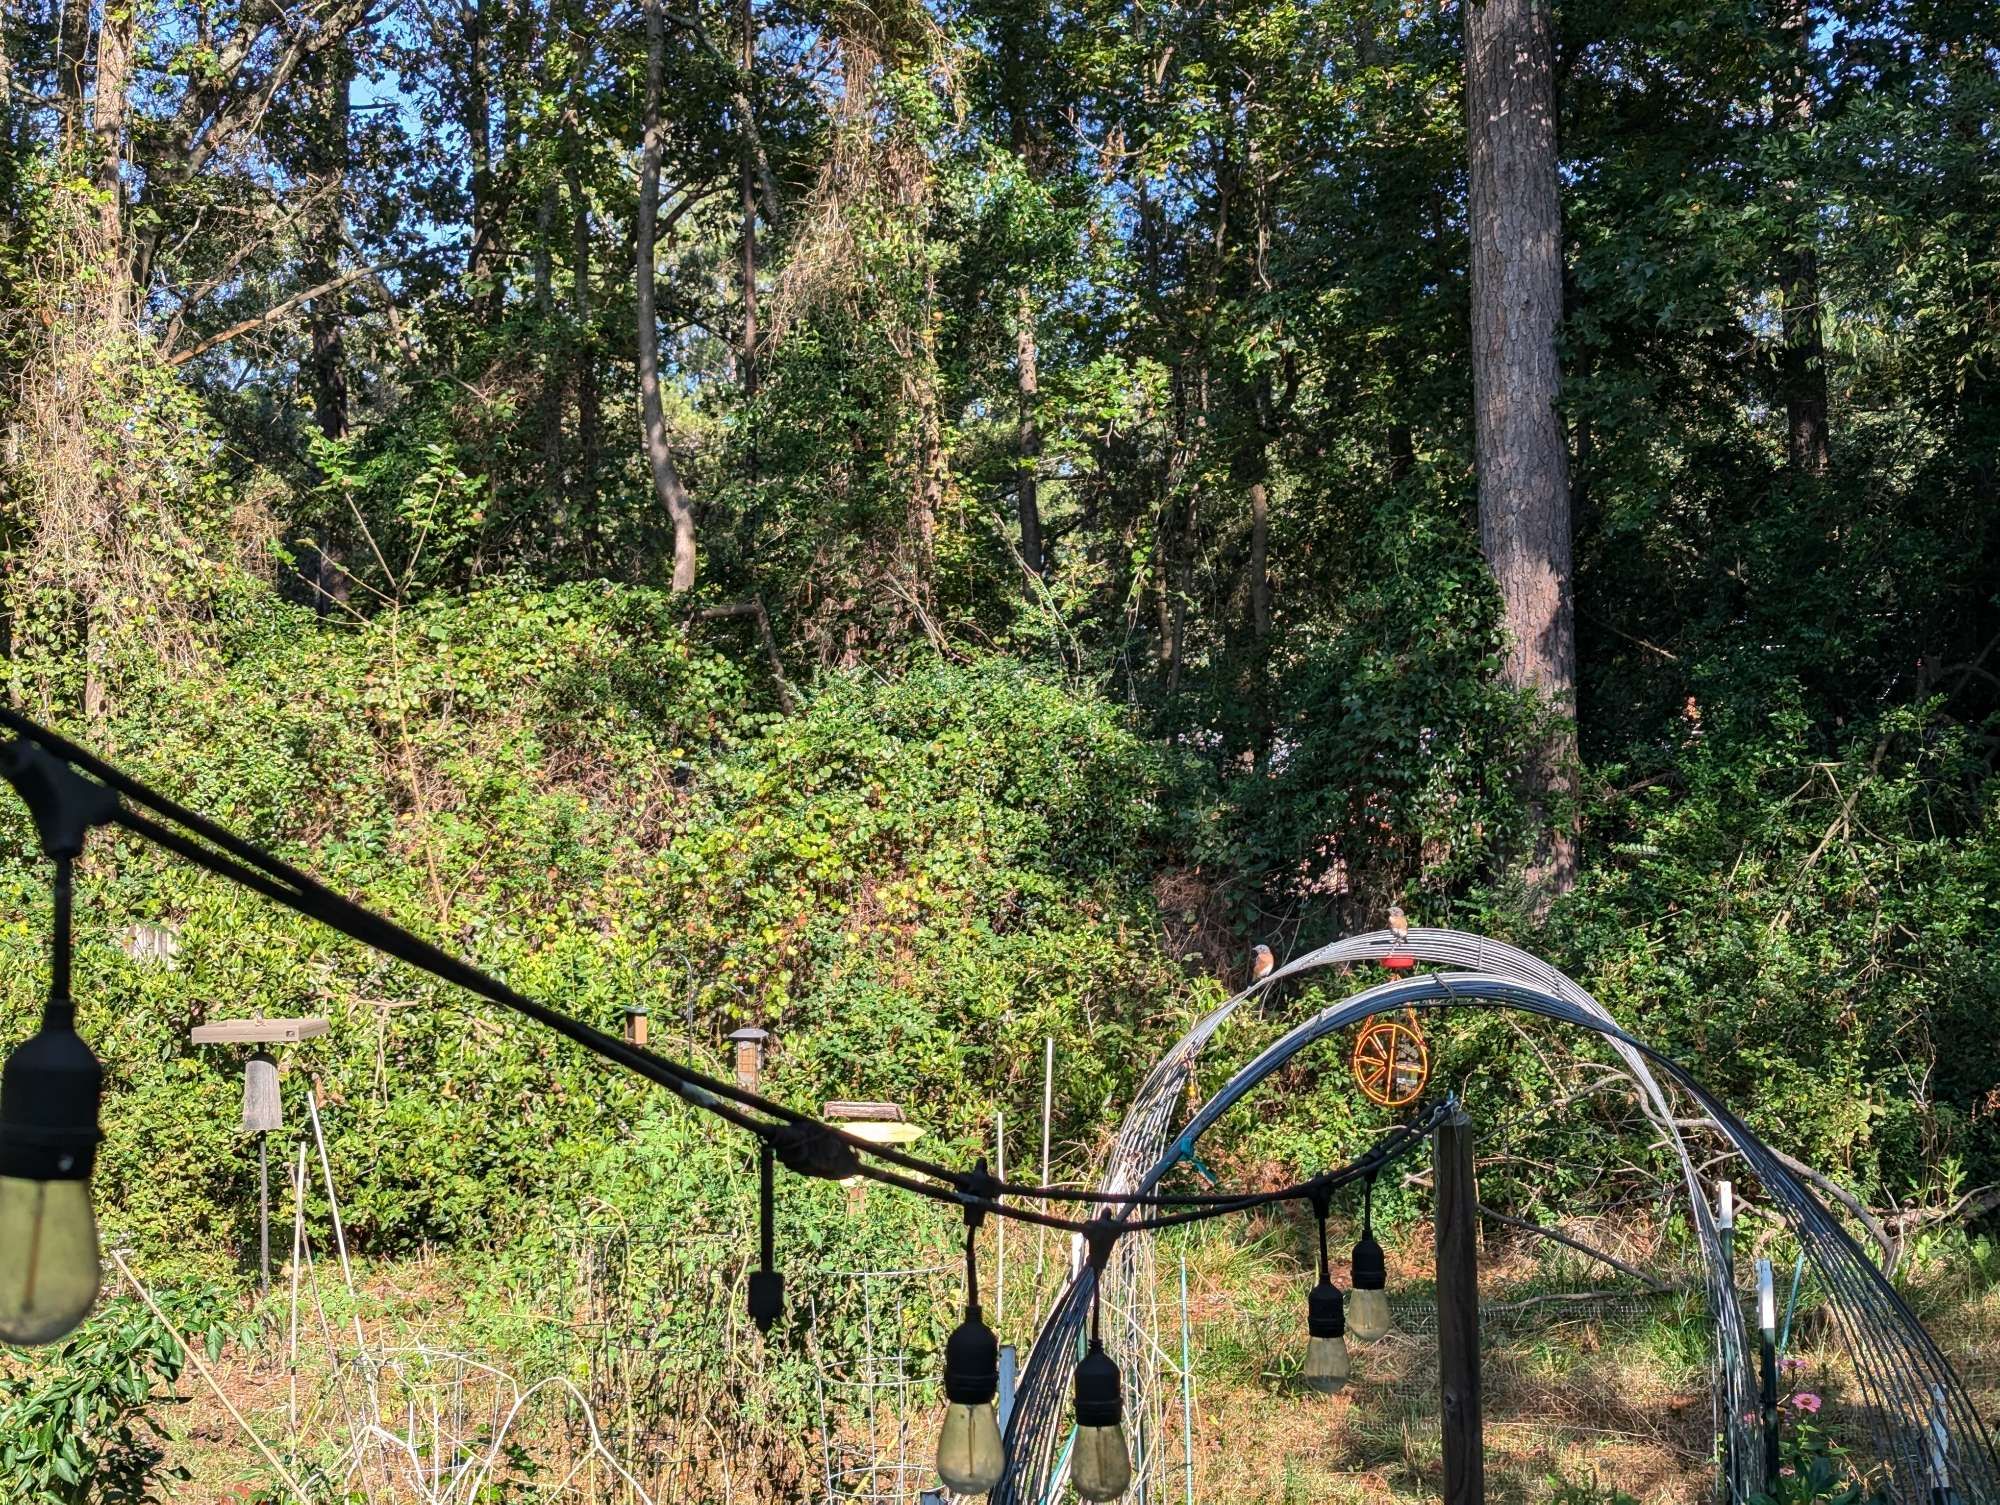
x=1612, y=1389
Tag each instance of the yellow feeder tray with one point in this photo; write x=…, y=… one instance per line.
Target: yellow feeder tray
x=878, y=1123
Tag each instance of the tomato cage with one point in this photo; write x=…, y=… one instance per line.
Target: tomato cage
x=875, y=1340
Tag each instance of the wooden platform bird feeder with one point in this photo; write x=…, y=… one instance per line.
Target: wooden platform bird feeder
x=263, y=1110
x=878, y=1123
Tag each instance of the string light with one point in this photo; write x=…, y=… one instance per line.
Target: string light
x=1368, y=1316
x=52, y=1084
x=971, y=1457
x=1326, y=1323
x=49, y=1095
x=1100, y=1466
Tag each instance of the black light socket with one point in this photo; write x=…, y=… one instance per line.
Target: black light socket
x=972, y=1362
x=49, y=1093
x=1100, y=1398
x=63, y=803
x=767, y=1298
x=1370, y=1270
x=1326, y=1313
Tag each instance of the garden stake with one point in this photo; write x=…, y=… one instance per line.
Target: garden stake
x=1767, y=1336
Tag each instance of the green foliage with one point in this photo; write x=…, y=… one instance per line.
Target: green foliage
x=1591, y=1491
x=1813, y=1469
x=561, y=786
x=75, y=1422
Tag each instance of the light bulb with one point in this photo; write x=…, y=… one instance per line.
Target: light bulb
x=1368, y=1314
x=48, y=1258
x=1100, y=1466
x=1326, y=1345
x=1326, y=1365
x=48, y=1145
x=1368, y=1307
x=970, y=1457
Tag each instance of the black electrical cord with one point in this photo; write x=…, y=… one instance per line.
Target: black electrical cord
x=804, y=1144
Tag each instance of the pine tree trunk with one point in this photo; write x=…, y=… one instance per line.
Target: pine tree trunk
x=484, y=262
x=1524, y=522
x=747, y=199
x=667, y=482
x=108, y=111
x=1028, y=434
x=1260, y=569
x=589, y=408
x=582, y=481
x=330, y=79
x=72, y=46
x=1808, y=439
x=333, y=71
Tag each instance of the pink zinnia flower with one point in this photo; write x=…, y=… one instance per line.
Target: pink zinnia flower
x=1806, y=1401
x=1791, y=1363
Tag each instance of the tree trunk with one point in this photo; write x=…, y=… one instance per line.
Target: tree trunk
x=333, y=71
x=483, y=263
x=108, y=112
x=667, y=483
x=1028, y=434
x=1260, y=571
x=588, y=407
x=330, y=81
x=747, y=192
x=1402, y=452
x=1524, y=523
x=1808, y=441
x=582, y=492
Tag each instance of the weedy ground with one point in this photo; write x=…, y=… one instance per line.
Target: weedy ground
x=1590, y=1384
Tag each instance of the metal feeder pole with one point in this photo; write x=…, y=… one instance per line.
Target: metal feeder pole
x=262, y=1114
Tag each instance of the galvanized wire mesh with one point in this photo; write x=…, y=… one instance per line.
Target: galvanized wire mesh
x=876, y=1388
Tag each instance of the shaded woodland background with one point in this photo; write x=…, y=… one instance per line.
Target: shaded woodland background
x=929, y=527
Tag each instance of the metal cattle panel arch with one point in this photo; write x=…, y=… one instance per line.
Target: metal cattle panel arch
x=1917, y=1411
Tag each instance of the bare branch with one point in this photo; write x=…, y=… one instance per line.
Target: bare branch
x=270, y=315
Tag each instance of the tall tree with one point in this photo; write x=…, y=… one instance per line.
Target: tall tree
x=109, y=109
x=746, y=184
x=1808, y=439
x=1024, y=36
x=1521, y=453
x=667, y=483
x=329, y=78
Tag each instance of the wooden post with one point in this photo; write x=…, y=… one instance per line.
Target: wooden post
x=1458, y=1312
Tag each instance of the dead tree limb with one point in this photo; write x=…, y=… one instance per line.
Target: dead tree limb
x=754, y=608
x=1651, y=1282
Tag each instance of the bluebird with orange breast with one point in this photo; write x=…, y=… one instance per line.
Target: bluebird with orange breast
x=1261, y=963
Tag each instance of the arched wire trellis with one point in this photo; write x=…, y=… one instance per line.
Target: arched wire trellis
x=1916, y=1410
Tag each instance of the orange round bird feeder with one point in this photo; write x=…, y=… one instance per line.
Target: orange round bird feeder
x=1391, y=1060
